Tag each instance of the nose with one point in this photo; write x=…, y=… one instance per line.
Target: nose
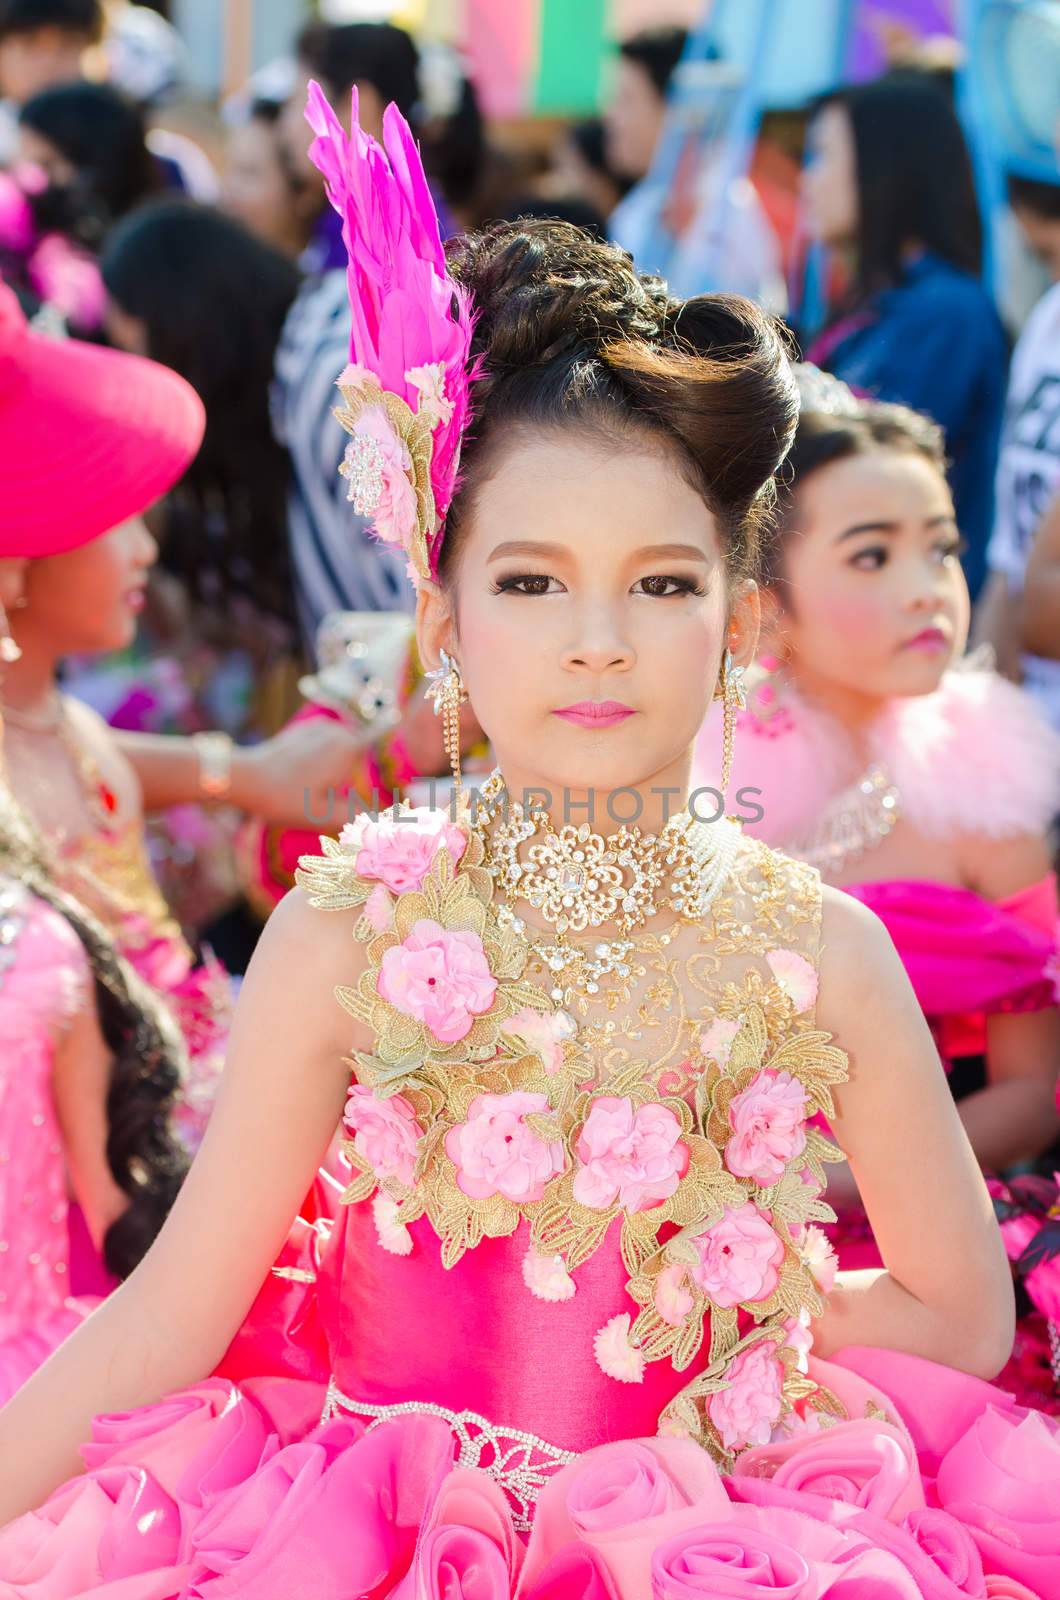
x=927, y=585
x=598, y=645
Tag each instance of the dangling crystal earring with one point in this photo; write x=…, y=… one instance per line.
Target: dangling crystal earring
x=9, y=649
x=447, y=694
x=732, y=691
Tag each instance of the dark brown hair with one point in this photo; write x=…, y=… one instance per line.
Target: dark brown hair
x=823, y=437
x=567, y=333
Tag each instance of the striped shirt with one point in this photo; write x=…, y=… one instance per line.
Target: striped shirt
x=338, y=565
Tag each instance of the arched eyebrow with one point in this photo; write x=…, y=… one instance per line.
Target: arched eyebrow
x=891, y=527
x=648, y=552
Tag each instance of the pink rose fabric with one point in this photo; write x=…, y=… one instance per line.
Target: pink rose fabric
x=494, y=1152
x=739, y=1258
x=399, y=852
x=1001, y=1479
x=379, y=468
x=385, y=1133
x=440, y=977
x=630, y=1154
x=950, y=1547
x=622, y=1501
x=768, y=1122
x=730, y=1562
x=747, y=1410
x=863, y=1463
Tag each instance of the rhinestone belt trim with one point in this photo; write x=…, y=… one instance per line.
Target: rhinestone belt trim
x=520, y=1462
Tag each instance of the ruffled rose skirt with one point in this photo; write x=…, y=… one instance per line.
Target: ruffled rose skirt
x=938, y=1487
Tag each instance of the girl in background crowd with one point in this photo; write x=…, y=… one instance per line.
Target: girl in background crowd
x=177, y=276
x=89, y=1067
x=83, y=163
x=259, y=187
x=76, y=556
x=920, y=784
x=915, y=324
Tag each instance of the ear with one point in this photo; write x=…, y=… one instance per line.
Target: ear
x=435, y=625
x=745, y=614
x=12, y=580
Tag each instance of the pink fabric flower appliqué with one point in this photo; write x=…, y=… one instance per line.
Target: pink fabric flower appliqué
x=495, y=1152
x=399, y=852
x=768, y=1130
x=615, y=1356
x=739, y=1258
x=796, y=976
x=378, y=469
x=634, y=1155
x=391, y=1232
x=385, y=1133
x=673, y=1298
x=440, y=977
x=748, y=1409
x=715, y=1041
x=547, y=1277
x=545, y=1032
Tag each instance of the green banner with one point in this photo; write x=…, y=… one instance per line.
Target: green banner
x=572, y=46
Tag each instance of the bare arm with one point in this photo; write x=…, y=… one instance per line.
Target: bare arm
x=1014, y=1117
x=997, y=623
x=914, y=1167
x=1041, y=597
x=281, y=1099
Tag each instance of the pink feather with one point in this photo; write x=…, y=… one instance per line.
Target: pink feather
x=406, y=310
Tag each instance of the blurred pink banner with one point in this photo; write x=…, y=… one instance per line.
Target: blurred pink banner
x=500, y=40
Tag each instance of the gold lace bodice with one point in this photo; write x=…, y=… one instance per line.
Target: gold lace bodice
x=671, y=1113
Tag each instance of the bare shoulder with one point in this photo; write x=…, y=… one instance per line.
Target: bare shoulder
x=861, y=974
x=304, y=956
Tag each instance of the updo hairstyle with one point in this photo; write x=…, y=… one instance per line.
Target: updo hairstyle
x=568, y=333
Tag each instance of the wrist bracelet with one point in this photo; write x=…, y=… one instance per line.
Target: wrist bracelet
x=214, y=751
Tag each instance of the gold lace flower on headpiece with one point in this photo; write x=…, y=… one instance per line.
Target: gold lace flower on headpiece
x=387, y=463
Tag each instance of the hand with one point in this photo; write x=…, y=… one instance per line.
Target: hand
x=294, y=779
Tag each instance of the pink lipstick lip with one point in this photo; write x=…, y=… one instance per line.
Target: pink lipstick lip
x=930, y=639
x=595, y=713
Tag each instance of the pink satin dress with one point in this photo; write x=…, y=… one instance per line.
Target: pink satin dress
x=43, y=982
x=557, y=1345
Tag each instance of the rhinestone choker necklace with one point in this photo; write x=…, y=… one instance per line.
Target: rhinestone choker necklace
x=578, y=879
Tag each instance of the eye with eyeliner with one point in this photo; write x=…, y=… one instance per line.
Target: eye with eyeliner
x=531, y=584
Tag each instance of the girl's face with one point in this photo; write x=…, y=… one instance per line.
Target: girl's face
x=588, y=613
x=258, y=190
x=89, y=599
x=875, y=603
x=830, y=178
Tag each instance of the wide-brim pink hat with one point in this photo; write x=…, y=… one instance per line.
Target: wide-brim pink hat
x=88, y=436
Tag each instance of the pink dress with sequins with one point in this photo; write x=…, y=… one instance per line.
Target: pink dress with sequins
x=43, y=981
x=557, y=1347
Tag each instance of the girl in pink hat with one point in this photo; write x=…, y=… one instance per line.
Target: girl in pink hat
x=89, y=439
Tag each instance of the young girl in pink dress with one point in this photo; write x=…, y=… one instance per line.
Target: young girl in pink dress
x=578, y=1331
x=919, y=782
x=88, y=1071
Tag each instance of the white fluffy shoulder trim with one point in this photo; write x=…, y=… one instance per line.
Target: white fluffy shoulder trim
x=975, y=757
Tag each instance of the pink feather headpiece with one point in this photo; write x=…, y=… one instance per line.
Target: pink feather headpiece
x=406, y=389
